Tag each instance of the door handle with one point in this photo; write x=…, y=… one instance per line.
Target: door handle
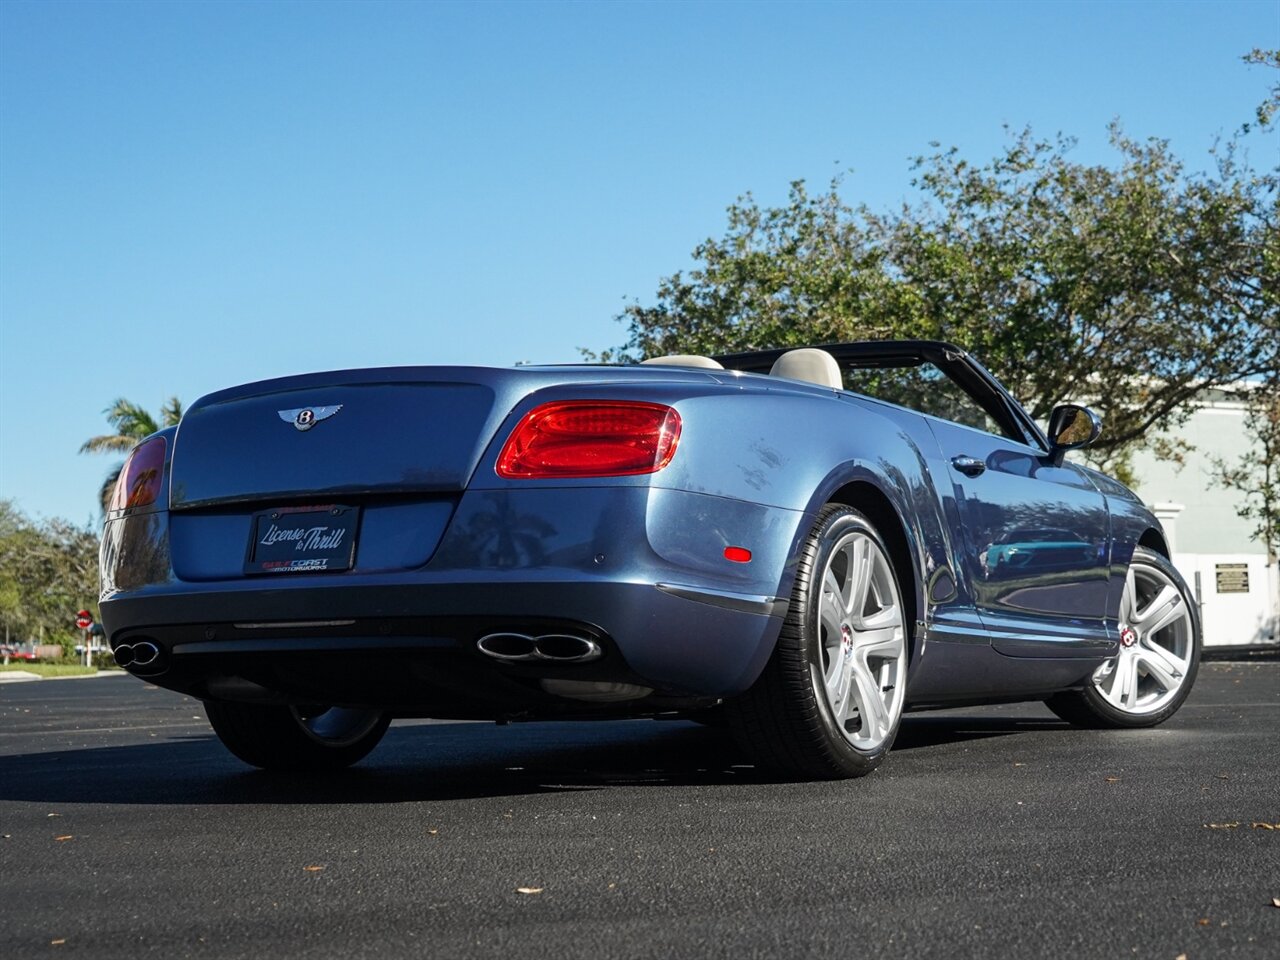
x=969, y=466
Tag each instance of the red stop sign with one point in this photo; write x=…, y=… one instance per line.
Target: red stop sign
x=84, y=619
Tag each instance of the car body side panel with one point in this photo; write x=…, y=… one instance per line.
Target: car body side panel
x=1130, y=520
x=1033, y=601
x=751, y=469
x=639, y=559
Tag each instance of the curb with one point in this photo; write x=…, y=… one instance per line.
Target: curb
x=22, y=676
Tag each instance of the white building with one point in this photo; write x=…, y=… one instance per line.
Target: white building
x=1213, y=548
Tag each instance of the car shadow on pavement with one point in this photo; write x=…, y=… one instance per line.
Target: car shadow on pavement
x=435, y=761
x=931, y=731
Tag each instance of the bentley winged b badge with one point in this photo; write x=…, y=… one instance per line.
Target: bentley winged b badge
x=304, y=418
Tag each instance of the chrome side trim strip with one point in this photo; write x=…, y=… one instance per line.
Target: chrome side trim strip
x=763, y=605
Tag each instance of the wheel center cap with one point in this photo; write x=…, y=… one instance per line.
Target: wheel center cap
x=846, y=639
x=1128, y=636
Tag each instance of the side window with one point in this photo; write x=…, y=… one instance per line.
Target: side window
x=924, y=388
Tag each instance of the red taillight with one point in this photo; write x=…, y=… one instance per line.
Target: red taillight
x=139, y=482
x=591, y=438
x=737, y=554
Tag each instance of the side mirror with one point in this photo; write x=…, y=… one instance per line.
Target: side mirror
x=1071, y=427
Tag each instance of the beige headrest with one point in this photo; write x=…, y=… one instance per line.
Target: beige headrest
x=684, y=360
x=810, y=365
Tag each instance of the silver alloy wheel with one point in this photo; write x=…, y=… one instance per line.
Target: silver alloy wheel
x=1156, y=644
x=863, y=639
x=336, y=726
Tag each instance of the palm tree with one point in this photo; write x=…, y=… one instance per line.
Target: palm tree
x=132, y=423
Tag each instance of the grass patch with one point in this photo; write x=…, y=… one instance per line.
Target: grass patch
x=49, y=669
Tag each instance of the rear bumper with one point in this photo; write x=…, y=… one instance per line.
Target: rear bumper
x=676, y=645
x=639, y=571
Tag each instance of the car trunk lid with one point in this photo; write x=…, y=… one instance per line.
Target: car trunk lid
x=345, y=434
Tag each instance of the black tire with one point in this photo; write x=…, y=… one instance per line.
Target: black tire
x=296, y=738
x=786, y=720
x=1089, y=708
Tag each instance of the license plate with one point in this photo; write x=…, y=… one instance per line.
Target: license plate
x=303, y=540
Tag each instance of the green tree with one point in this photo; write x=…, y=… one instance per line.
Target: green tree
x=1266, y=111
x=48, y=571
x=1133, y=286
x=131, y=424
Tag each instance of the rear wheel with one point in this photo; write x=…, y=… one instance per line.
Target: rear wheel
x=307, y=738
x=830, y=700
x=1159, y=654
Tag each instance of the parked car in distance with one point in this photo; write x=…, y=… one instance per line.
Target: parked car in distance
x=30, y=650
x=803, y=543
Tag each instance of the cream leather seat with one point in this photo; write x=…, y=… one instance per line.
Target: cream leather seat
x=810, y=365
x=684, y=360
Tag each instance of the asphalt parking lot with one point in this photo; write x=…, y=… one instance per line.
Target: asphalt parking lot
x=991, y=832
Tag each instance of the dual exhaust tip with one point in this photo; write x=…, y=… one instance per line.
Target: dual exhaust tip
x=553, y=647
x=144, y=653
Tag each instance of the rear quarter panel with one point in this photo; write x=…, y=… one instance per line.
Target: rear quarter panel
x=752, y=441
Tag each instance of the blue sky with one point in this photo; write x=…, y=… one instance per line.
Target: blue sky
x=198, y=194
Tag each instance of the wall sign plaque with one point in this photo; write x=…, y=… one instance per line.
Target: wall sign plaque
x=1231, y=577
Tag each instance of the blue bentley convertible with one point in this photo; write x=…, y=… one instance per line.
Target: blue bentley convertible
x=801, y=543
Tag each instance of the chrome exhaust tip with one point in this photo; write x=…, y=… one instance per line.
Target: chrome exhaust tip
x=507, y=646
x=145, y=654
x=123, y=654
x=554, y=647
x=565, y=648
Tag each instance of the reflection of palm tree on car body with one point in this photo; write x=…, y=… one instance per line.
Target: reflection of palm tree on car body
x=505, y=538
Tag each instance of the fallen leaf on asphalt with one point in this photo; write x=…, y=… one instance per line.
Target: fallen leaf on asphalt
x=1222, y=776
x=1204, y=921
x=1181, y=956
x=55, y=814
x=1223, y=826
x=1264, y=826
x=1019, y=764
x=529, y=889
x=1275, y=901
x=6, y=836
x=433, y=832
x=55, y=943
x=313, y=869
x=65, y=836
x=1112, y=779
